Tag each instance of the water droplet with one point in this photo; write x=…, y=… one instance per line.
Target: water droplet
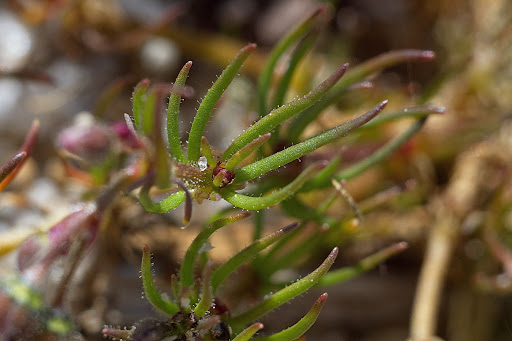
x=202, y=163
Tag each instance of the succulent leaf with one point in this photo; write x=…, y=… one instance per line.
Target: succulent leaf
x=187, y=266
x=354, y=75
x=344, y=274
x=281, y=114
x=281, y=47
x=150, y=291
x=258, y=203
x=301, y=327
x=210, y=100
x=248, y=332
x=240, y=155
x=173, y=109
x=294, y=152
x=163, y=206
x=207, y=292
x=139, y=100
x=246, y=254
x=283, y=295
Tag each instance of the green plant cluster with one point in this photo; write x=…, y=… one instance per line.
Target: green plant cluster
x=148, y=161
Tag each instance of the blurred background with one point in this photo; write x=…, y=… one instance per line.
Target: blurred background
x=63, y=61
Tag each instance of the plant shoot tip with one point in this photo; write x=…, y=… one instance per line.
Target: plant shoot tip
x=250, y=47
x=322, y=298
x=428, y=54
x=402, y=245
x=290, y=227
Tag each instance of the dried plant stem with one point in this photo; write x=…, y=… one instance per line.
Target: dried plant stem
x=440, y=245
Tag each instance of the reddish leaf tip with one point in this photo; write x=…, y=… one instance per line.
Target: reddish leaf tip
x=145, y=248
x=334, y=253
x=436, y=110
x=428, y=55
x=322, y=298
x=290, y=227
x=320, y=10
x=402, y=246
x=250, y=47
x=144, y=82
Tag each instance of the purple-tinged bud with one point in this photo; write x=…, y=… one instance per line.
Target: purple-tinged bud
x=126, y=136
x=91, y=143
x=222, y=177
x=60, y=238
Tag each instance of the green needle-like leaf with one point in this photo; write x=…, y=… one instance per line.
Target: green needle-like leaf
x=173, y=109
x=166, y=205
x=175, y=287
x=344, y=274
x=281, y=114
x=161, y=161
x=148, y=116
x=284, y=295
x=294, y=152
x=379, y=155
x=323, y=175
x=150, y=291
x=301, y=327
x=299, y=52
x=354, y=75
x=240, y=155
x=246, y=254
x=258, y=203
x=187, y=266
x=206, y=150
x=418, y=112
x=283, y=44
x=139, y=99
x=293, y=255
x=248, y=332
x=210, y=100
x=207, y=293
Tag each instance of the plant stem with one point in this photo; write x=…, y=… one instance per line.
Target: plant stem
x=435, y=265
